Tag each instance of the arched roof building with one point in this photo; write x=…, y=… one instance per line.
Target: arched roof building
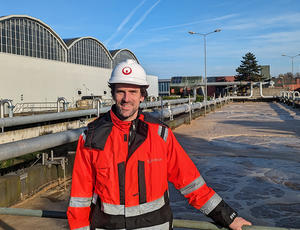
x=28, y=36
x=120, y=55
x=88, y=51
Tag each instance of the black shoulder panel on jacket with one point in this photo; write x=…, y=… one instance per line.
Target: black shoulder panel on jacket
x=98, y=132
x=223, y=214
x=151, y=119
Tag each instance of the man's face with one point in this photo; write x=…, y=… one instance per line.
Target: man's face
x=128, y=98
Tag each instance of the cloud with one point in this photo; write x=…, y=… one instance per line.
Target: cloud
x=241, y=26
x=137, y=23
x=147, y=42
x=195, y=22
x=284, y=19
x=279, y=37
x=223, y=17
x=287, y=20
x=124, y=22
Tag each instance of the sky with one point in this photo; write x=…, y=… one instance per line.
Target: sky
x=156, y=31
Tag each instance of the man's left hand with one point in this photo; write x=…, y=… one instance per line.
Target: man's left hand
x=238, y=223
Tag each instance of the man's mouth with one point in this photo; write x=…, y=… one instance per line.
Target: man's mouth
x=125, y=106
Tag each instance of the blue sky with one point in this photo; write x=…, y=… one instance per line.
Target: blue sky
x=157, y=30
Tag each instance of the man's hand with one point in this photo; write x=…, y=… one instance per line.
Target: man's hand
x=238, y=223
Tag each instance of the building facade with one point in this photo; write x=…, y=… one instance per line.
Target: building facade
x=164, y=87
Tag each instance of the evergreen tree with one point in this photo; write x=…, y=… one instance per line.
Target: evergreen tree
x=249, y=69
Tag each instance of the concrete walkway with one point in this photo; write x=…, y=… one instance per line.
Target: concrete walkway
x=248, y=152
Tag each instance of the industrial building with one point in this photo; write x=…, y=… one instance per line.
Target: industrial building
x=37, y=65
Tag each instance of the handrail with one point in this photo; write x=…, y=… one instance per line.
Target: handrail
x=22, y=147
x=177, y=223
x=22, y=120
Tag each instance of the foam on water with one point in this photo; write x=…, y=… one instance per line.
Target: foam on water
x=265, y=191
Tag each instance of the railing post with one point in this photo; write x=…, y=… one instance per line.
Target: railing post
x=161, y=109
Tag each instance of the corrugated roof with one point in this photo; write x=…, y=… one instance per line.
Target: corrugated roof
x=69, y=41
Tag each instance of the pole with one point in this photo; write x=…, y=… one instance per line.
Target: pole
x=293, y=66
x=205, y=96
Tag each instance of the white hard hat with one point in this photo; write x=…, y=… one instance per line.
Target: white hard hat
x=128, y=72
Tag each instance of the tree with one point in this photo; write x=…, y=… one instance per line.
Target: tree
x=249, y=70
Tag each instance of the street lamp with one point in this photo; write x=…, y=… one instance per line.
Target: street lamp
x=205, y=77
x=292, y=57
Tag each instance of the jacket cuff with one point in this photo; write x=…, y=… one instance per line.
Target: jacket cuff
x=223, y=214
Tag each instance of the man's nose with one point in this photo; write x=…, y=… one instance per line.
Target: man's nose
x=126, y=97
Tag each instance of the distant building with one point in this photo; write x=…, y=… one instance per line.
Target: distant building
x=265, y=72
x=219, y=90
x=164, y=87
x=287, y=83
x=183, y=85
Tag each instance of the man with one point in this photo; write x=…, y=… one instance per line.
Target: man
x=124, y=162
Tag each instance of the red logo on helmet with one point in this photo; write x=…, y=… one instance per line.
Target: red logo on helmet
x=126, y=70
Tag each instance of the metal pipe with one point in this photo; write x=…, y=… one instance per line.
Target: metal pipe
x=177, y=223
x=210, y=226
x=19, y=148
x=34, y=213
x=261, y=91
x=165, y=102
x=244, y=97
x=98, y=105
x=10, y=107
x=296, y=94
x=65, y=103
x=15, y=121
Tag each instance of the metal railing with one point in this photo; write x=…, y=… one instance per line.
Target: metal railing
x=177, y=223
x=35, y=107
x=290, y=97
x=23, y=147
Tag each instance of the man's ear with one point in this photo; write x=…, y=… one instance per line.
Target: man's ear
x=142, y=99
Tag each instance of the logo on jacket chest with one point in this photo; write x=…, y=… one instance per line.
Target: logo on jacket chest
x=149, y=161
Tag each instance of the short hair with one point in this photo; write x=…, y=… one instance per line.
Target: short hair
x=143, y=89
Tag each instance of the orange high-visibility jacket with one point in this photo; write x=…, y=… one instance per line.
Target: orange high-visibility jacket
x=121, y=173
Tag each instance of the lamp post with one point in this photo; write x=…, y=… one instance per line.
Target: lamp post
x=292, y=57
x=205, y=77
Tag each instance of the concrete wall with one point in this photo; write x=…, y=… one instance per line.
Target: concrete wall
x=14, y=188
x=41, y=80
x=21, y=134
x=153, y=85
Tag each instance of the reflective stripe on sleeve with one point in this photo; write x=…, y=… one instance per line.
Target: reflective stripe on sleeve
x=211, y=204
x=83, y=228
x=193, y=186
x=80, y=202
x=83, y=136
x=112, y=209
x=163, y=132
